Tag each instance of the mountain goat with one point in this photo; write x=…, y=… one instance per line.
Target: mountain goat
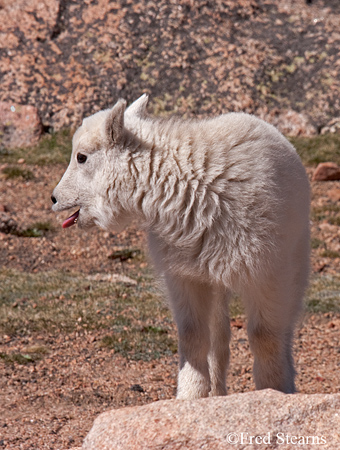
x=225, y=202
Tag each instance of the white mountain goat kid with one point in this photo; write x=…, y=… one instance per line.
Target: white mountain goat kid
x=225, y=202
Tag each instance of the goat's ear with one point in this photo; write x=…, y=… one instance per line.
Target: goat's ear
x=138, y=107
x=114, y=125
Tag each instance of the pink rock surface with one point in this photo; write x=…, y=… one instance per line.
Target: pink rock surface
x=327, y=171
x=289, y=122
x=20, y=125
x=262, y=419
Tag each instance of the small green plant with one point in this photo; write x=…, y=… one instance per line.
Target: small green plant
x=146, y=343
x=334, y=220
x=37, y=229
x=323, y=294
x=330, y=254
x=30, y=355
x=125, y=254
x=17, y=172
x=329, y=212
x=316, y=243
x=316, y=149
x=17, y=358
x=236, y=306
x=54, y=148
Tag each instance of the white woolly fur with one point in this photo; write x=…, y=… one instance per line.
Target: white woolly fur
x=225, y=202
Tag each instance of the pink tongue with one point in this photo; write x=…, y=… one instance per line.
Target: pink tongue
x=71, y=220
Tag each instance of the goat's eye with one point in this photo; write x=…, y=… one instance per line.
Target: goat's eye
x=81, y=158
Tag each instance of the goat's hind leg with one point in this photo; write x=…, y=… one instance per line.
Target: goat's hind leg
x=272, y=315
x=273, y=361
x=273, y=308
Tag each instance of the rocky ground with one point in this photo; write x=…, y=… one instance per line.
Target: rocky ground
x=55, y=381
x=68, y=59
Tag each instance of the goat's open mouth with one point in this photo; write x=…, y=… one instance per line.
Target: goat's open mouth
x=71, y=220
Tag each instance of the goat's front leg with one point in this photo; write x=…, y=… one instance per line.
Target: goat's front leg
x=191, y=307
x=219, y=341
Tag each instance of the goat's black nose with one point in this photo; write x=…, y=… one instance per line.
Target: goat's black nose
x=54, y=200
